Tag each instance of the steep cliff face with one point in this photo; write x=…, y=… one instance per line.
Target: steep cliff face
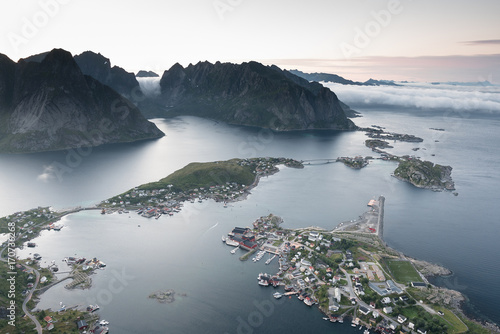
x=51, y=105
x=251, y=94
x=99, y=67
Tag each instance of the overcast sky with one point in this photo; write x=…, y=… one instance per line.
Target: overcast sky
x=403, y=40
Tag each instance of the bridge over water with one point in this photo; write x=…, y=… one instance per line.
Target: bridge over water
x=318, y=161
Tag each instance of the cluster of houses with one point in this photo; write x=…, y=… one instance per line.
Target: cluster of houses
x=25, y=221
x=244, y=237
x=302, y=273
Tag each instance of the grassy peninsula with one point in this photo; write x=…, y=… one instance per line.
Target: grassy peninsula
x=219, y=180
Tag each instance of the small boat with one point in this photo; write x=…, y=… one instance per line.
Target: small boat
x=234, y=250
x=263, y=282
x=353, y=324
x=103, y=322
x=308, y=301
x=92, y=308
x=223, y=239
x=31, y=244
x=360, y=327
x=326, y=318
x=277, y=295
x=366, y=331
x=37, y=256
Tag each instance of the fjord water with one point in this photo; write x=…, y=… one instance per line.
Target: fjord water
x=185, y=253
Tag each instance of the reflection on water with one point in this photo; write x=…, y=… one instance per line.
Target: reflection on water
x=183, y=253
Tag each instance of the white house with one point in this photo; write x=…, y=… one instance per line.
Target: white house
x=387, y=310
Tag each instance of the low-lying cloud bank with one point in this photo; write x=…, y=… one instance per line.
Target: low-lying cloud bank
x=425, y=97
x=150, y=86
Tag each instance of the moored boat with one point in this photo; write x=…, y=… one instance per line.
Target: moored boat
x=263, y=282
x=92, y=308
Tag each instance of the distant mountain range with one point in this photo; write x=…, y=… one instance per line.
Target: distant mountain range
x=327, y=77
x=47, y=103
x=459, y=83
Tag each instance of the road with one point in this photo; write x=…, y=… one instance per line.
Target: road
x=362, y=303
x=27, y=299
x=30, y=294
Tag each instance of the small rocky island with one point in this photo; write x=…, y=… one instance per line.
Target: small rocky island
x=163, y=296
x=425, y=174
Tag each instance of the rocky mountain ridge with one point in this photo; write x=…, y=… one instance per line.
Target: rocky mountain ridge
x=250, y=94
x=47, y=103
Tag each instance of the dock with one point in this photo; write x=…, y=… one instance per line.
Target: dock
x=380, y=223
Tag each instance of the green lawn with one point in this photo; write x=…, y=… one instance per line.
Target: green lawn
x=277, y=243
x=411, y=312
x=455, y=324
x=402, y=271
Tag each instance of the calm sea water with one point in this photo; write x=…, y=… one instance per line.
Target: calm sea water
x=185, y=253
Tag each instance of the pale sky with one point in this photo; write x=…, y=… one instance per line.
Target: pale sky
x=385, y=39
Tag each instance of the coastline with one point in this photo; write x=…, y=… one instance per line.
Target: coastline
x=429, y=269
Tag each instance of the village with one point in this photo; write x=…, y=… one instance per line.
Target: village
x=347, y=279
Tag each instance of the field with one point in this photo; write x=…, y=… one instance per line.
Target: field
x=402, y=271
x=455, y=324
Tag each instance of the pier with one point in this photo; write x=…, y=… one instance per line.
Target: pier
x=380, y=223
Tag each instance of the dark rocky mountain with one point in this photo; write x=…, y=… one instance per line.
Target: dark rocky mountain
x=99, y=67
x=146, y=74
x=249, y=94
x=47, y=103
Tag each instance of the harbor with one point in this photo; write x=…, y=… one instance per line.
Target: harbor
x=324, y=268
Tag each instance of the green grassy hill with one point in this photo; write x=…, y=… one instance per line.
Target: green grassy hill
x=204, y=175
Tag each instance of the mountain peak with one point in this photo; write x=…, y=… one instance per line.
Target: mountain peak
x=52, y=105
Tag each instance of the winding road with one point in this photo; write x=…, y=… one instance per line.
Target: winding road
x=30, y=294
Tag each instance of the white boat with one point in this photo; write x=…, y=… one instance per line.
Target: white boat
x=223, y=239
x=366, y=331
x=234, y=250
x=92, y=308
x=263, y=282
x=231, y=242
x=103, y=322
x=277, y=295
